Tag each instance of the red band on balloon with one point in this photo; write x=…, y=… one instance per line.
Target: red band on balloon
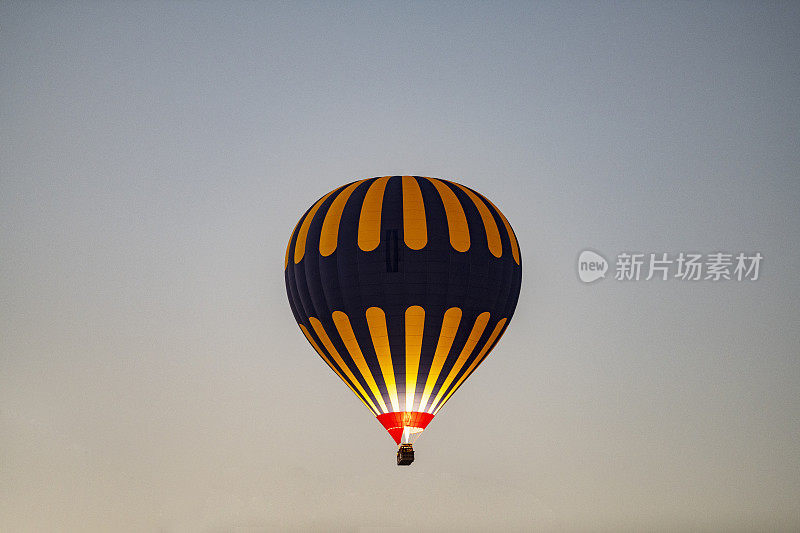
x=395, y=422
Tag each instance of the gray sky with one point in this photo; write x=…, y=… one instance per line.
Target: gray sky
x=154, y=158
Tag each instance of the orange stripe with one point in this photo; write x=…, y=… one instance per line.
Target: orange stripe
x=415, y=228
x=474, y=337
x=330, y=227
x=492, y=233
x=369, y=223
x=452, y=317
x=300, y=246
x=456, y=219
x=511, y=237
x=497, y=329
x=415, y=324
x=289, y=245
x=324, y=358
x=342, y=323
x=326, y=341
x=376, y=320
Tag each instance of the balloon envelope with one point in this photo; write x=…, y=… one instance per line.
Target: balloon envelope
x=403, y=285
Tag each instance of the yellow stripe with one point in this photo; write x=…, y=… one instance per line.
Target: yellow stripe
x=497, y=329
x=492, y=233
x=415, y=323
x=452, y=317
x=369, y=223
x=456, y=219
x=300, y=246
x=349, y=338
x=474, y=337
x=326, y=341
x=289, y=246
x=415, y=228
x=376, y=320
x=511, y=237
x=324, y=358
x=329, y=236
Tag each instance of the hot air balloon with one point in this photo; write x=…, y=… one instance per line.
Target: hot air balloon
x=403, y=285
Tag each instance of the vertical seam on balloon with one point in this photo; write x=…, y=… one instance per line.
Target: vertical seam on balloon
x=469, y=347
x=492, y=233
x=345, y=329
x=327, y=361
x=511, y=236
x=329, y=235
x=300, y=245
x=415, y=228
x=369, y=222
x=376, y=321
x=326, y=341
x=414, y=325
x=450, y=323
x=456, y=218
x=483, y=353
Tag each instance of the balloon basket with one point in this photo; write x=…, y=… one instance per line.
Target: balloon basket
x=405, y=455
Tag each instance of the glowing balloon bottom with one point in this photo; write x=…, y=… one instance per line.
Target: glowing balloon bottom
x=405, y=426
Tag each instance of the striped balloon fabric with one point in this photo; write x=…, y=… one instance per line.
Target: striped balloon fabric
x=403, y=285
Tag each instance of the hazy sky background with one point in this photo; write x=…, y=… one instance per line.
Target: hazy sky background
x=154, y=158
